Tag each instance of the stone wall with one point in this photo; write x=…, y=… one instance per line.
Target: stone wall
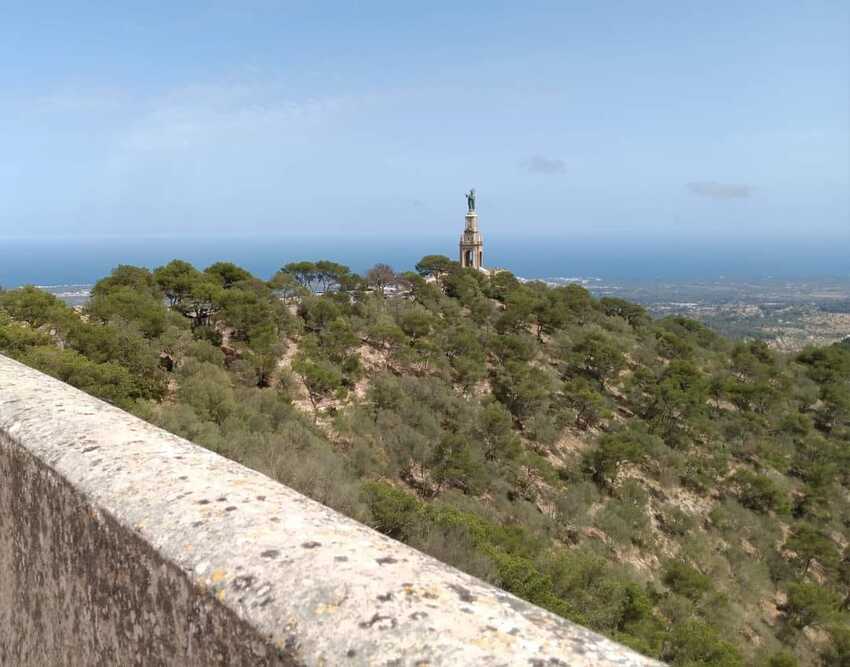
x=121, y=544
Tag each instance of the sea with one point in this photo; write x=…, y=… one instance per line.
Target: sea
x=70, y=265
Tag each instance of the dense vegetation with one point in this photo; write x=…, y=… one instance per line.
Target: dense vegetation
x=681, y=493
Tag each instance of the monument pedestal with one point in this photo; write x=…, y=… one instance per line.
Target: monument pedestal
x=471, y=244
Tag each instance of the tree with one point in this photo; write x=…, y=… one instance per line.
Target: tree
x=321, y=380
x=835, y=409
x=465, y=354
x=809, y=543
x=590, y=406
x=677, y=401
x=759, y=492
x=809, y=604
x=331, y=275
x=286, y=285
x=131, y=304
x=614, y=450
x=208, y=389
x=826, y=364
x=672, y=346
x=454, y=463
x=203, y=299
x=137, y=278
x=248, y=310
x=318, y=312
x=176, y=280
x=597, y=356
x=635, y=315
x=816, y=460
x=482, y=310
x=751, y=396
x=501, y=283
x=122, y=343
x=550, y=314
x=513, y=347
x=394, y=512
x=694, y=643
x=227, y=273
x=337, y=339
x=266, y=348
x=523, y=389
x=690, y=332
x=386, y=336
x=15, y=339
x=380, y=277
x=752, y=360
x=520, y=305
x=496, y=433
x=416, y=322
x=109, y=381
x=435, y=265
x=33, y=306
x=303, y=272
x=578, y=300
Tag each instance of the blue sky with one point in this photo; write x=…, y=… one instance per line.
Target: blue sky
x=573, y=120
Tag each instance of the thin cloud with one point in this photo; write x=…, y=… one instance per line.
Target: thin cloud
x=212, y=114
x=714, y=190
x=537, y=164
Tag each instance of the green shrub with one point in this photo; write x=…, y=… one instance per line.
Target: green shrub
x=759, y=492
x=108, y=381
x=393, y=511
x=693, y=643
x=630, y=445
x=685, y=580
x=810, y=604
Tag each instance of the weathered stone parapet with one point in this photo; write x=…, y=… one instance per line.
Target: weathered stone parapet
x=121, y=544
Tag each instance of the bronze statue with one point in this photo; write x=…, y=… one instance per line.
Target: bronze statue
x=470, y=200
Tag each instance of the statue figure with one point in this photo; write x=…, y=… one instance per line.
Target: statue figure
x=470, y=200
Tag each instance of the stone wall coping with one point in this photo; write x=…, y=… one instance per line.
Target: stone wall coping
x=320, y=588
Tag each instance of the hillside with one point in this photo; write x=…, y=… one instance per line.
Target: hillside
x=681, y=493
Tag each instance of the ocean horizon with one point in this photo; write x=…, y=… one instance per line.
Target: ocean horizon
x=77, y=261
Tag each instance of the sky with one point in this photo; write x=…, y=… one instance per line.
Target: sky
x=573, y=120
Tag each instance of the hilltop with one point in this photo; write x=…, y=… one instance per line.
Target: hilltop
x=682, y=493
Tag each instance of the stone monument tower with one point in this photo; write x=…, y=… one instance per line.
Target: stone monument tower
x=471, y=243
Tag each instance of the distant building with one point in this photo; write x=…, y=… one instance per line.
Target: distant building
x=471, y=242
